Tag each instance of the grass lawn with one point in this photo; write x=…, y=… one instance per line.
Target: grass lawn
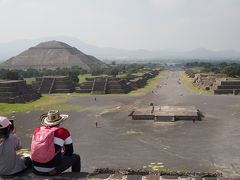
x=45, y=103
x=196, y=69
x=59, y=101
x=151, y=84
x=82, y=77
x=122, y=75
x=29, y=80
x=187, y=82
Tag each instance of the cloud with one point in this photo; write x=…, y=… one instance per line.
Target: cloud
x=164, y=3
x=3, y=1
x=126, y=23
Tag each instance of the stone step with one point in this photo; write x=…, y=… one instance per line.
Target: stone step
x=223, y=91
x=145, y=177
x=62, y=90
x=83, y=90
x=85, y=87
x=85, y=176
x=229, y=87
x=230, y=82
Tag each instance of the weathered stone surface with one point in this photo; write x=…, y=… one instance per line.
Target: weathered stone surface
x=113, y=85
x=190, y=73
x=134, y=177
x=166, y=113
x=51, y=55
x=228, y=87
x=17, y=91
x=54, y=84
x=151, y=177
x=117, y=174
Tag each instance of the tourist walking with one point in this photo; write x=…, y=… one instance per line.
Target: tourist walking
x=10, y=162
x=52, y=148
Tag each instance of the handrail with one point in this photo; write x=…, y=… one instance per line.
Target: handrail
x=93, y=85
x=41, y=85
x=53, y=82
x=105, y=85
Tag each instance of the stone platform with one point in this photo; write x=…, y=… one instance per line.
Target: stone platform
x=54, y=84
x=17, y=91
x=114, y=85
x=228, y=87
x=122, y=174
x=166, y=113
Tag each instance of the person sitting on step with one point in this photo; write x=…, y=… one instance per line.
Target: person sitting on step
x=11, y=163
x=52, y=148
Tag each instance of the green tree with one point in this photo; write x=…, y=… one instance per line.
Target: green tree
x=11, y=75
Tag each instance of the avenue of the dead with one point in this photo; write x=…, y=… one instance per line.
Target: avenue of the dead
x=120, y=142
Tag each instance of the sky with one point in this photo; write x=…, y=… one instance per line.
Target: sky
x=128, y=24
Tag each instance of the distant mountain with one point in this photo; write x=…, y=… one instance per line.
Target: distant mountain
x=203, y=53
x=50, y=55
x=10, y=49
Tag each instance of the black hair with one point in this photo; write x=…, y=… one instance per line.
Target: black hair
x=4, y=132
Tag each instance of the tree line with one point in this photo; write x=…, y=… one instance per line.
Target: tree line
x=74, y=71
x=230, y=69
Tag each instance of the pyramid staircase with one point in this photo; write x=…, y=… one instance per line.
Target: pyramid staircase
x=99, y=86
x=46, y=86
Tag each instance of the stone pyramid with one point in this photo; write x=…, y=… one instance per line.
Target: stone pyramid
x=50, y=55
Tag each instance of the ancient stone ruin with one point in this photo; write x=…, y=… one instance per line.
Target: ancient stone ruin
x=52, y=55
x=228, y=87
x=207, y=82
x=17, y=91
x=190, y=73
x=114, y=85
x=104, y=85
x=166, y=113
x=54, y=84
x=97, y=85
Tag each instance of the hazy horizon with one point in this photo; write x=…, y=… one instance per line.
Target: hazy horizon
x=126, y=24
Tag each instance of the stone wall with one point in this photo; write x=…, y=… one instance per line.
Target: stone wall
x=115, y=85
x=228, y=87
x=54, y=84
x=205, y=81
x=17, y=91
x=190, y=73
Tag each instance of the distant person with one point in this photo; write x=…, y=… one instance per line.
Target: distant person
x=95, y=99
x=96, y=123
x=10, y=162
x=52, y=148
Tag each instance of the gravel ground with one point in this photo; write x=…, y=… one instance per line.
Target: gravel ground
x=120, y=142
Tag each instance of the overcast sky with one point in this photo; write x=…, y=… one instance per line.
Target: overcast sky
x=130, y=24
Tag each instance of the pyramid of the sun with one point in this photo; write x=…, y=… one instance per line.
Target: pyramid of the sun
x=51, y=55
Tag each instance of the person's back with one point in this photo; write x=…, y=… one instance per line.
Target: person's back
x=10, y=162
x=62, y=142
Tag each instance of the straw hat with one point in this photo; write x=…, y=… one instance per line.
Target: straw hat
x=52, y=118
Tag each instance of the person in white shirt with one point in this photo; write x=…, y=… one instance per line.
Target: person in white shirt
x=10, y=162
